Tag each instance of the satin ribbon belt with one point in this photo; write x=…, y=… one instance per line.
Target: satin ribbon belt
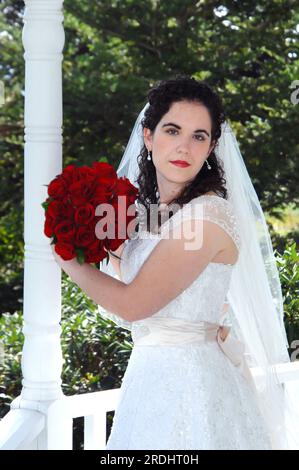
x=173, y=331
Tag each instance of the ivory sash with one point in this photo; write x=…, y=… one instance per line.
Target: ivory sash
x=174, y=331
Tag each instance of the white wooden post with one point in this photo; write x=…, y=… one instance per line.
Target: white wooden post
x=43, y=40
x=25, y=426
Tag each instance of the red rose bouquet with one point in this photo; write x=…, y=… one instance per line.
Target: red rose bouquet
x=73, y=211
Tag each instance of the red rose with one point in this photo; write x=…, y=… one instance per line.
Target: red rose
x=85, y=235
x=106, y=178
x=49, y=227
x=84, y=214
x=70, y=211
x=65, y=231
x=70, y=174
x=101, y=197
x=104, y=169
x=65, y=250
x=57, y=188
x=81, y=191
x=95, y=252
x=125, y=187
x=104, y=190
x=85, y=172
x=57, y=209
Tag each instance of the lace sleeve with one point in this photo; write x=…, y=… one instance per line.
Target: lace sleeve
x=220, y=211
x=212, y=208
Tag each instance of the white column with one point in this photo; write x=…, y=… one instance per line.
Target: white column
x=43, y=40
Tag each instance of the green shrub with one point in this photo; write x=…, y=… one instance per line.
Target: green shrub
x=288, y=265
x=95, y=351
x=11, y=342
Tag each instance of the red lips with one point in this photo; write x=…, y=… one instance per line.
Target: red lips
x=180, y=163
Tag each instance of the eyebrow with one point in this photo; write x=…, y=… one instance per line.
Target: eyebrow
x=179, y=127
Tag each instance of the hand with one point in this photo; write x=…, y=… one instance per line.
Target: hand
x=58, y=258
x=223, y=332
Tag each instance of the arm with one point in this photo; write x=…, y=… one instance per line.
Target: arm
x=172, y=266
x=167, y=272
x=103, y=289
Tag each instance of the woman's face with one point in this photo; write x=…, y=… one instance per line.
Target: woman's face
x=183, y=133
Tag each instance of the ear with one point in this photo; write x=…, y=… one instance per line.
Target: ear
x=147, y=136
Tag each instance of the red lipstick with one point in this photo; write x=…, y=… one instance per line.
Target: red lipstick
x=180, y=163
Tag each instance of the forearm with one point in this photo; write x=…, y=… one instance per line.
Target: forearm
x=104, y=290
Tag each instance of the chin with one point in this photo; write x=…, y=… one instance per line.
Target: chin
x=179, y=180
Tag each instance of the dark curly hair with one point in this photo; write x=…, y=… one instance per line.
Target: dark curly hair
x=160, y=98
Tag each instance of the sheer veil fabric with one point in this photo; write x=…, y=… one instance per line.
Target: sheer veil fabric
x=255, y=297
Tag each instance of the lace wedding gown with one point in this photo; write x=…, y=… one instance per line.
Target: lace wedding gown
x=185, y=396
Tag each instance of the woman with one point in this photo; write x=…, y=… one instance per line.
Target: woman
x=179, y=390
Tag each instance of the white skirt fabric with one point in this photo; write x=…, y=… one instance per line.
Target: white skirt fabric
x=187, y=397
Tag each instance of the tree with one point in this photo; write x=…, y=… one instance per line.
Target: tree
x=114, y=52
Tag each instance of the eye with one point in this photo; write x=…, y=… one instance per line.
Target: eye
x=171, y=130
x=200, y=137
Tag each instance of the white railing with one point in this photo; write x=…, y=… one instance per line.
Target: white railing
x=49, y=425
x=93, y=406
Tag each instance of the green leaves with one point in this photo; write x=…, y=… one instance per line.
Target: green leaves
x=45, y=205
x=80, y=255
x=288, y=264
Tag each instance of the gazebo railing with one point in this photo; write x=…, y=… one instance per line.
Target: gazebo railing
x=49, y=425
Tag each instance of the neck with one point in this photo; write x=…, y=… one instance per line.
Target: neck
x=167, y=190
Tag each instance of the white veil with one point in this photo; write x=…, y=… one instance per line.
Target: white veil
x=254, y=295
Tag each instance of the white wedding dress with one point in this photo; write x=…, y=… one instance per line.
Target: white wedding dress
x=185, y=396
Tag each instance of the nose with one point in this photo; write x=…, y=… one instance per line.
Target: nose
x=183, y=146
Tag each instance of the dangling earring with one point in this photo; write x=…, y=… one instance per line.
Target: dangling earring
x=149, y=155
x=208, y=165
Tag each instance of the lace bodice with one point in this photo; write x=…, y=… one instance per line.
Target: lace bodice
x=188, y=396
x=204, y=298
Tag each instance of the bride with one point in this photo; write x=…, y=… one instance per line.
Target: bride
x=199, y=376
